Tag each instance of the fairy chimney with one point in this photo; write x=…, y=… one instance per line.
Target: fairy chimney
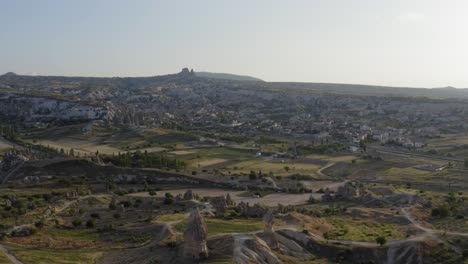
x=188, y=195
x=327, y=196
x=268, y=232
x=219, y=204
x=195, y=236
x=229, y=200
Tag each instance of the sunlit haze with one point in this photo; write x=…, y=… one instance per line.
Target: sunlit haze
x=398, y=43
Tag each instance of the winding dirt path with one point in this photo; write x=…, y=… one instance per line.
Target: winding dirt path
x=320, y=171
x=418, y=225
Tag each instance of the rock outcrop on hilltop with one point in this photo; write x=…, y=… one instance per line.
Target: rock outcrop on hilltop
x=187, y=72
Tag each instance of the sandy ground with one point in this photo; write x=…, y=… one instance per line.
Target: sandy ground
x=4, y=143
x=268, y=200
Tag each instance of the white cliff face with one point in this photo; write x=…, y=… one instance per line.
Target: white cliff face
x=36, y=108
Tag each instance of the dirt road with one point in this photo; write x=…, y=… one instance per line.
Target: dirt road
x=12, y=258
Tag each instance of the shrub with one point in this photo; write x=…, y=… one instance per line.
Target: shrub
x=90, y=223
x=169, y=198
x=171, y=244
x=39, y=224
x=465, y=254
x=117, y=215
x=76, y=222
x=203, y=255
x=95, y=215
x=126, y=204
x=381, y=240
x=442, y=211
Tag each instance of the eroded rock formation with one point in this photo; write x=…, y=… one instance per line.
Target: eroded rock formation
x=195, y=237
x=268, y=231
x=188, y=195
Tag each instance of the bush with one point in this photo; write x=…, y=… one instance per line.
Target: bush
x=465, y=254
x=126, y=204
x=381, y=240
x=203, y=255
x=76, y=222
x=171, y=244
x=169, y=198
x=442, y=211
x=39, y=224
x=90, y=223
x=95, y=215
x=117, y=215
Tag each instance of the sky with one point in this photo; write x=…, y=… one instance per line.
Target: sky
x=410, y=43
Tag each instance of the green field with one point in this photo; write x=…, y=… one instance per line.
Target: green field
x=44, y=256
x=220, y=226
x=277, y=168
x=348, y=229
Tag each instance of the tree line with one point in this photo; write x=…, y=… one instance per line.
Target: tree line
x=144, y=159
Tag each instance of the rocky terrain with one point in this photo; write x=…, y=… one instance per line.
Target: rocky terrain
x=188, y=168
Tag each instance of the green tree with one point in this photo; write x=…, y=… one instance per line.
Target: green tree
x=90, y=223
x=76, y=222
x=381, y=240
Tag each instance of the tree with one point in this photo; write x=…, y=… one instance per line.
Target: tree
x=381, y=240
x=286, y=168
x=362, y=145
x=76, y=223
x=169, y=198
x=442, y=211
x=252, y=175
x=90, y=223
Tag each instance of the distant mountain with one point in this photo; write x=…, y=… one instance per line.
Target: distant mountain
x=373, y=90
x=106, y=85
x=227, y=76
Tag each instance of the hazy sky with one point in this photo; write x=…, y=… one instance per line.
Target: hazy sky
x=422, y=43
